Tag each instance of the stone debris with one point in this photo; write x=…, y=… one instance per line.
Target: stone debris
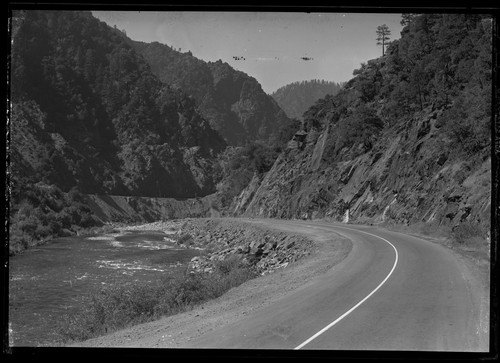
x=263, y=250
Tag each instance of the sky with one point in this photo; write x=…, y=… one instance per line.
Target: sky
x=276, y=48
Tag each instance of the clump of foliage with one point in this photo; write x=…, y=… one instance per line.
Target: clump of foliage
x=465, y=232
x=361, y=127
x=464, y=122
x=40, y=211
x=185, y=239
x=117, y=307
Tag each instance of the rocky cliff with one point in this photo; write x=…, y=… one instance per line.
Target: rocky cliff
x=404, y=178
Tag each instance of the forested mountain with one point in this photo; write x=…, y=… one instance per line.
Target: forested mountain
x=297, y=97
x=406, y=140
x=88, y=112
x=233, y=102
x=89, y=116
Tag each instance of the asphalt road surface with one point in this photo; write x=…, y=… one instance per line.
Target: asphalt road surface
x=392, y=292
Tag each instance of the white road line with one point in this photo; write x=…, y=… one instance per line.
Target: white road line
x=359, y=303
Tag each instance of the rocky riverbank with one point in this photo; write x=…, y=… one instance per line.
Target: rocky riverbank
x=261, y=249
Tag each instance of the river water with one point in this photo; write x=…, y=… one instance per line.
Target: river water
x=51, y=280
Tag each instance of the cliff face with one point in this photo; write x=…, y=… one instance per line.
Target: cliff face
x=233, y=102
x=389, y=147
x=404, y=178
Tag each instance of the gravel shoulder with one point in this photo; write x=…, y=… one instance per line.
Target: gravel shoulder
x=176, y=331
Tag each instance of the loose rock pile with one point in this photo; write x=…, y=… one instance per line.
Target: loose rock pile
x=261, y=249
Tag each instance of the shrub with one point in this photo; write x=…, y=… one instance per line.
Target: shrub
x=185, y=239
x=464, y=232
x=228, y=264
x=42, y=232
x=28, y=225
x=362, y=127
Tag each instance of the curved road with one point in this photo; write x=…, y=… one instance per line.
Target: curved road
x=392, y=292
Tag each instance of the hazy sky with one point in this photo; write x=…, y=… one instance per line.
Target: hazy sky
x=272, y=44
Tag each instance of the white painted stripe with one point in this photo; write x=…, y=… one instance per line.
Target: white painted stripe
x=359, y=303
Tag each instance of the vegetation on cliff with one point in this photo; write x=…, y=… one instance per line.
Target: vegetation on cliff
x=442, y=61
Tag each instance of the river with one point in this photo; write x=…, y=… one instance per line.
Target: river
x=49, y=281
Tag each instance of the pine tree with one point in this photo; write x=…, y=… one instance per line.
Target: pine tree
x=383, y=35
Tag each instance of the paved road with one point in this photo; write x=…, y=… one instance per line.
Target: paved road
x=393, y=292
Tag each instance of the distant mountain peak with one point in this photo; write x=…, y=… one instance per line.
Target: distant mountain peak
x=295, y=98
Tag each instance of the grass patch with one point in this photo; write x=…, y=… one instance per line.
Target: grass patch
x=114, y=308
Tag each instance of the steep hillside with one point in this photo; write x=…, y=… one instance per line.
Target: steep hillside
x=297, y=97
x=233, y=102
x=406, y=140
x=88, y=112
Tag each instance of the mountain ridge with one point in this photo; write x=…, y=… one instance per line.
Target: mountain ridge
x=233, y=102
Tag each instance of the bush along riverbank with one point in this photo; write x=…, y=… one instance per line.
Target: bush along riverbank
x=233, y=252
